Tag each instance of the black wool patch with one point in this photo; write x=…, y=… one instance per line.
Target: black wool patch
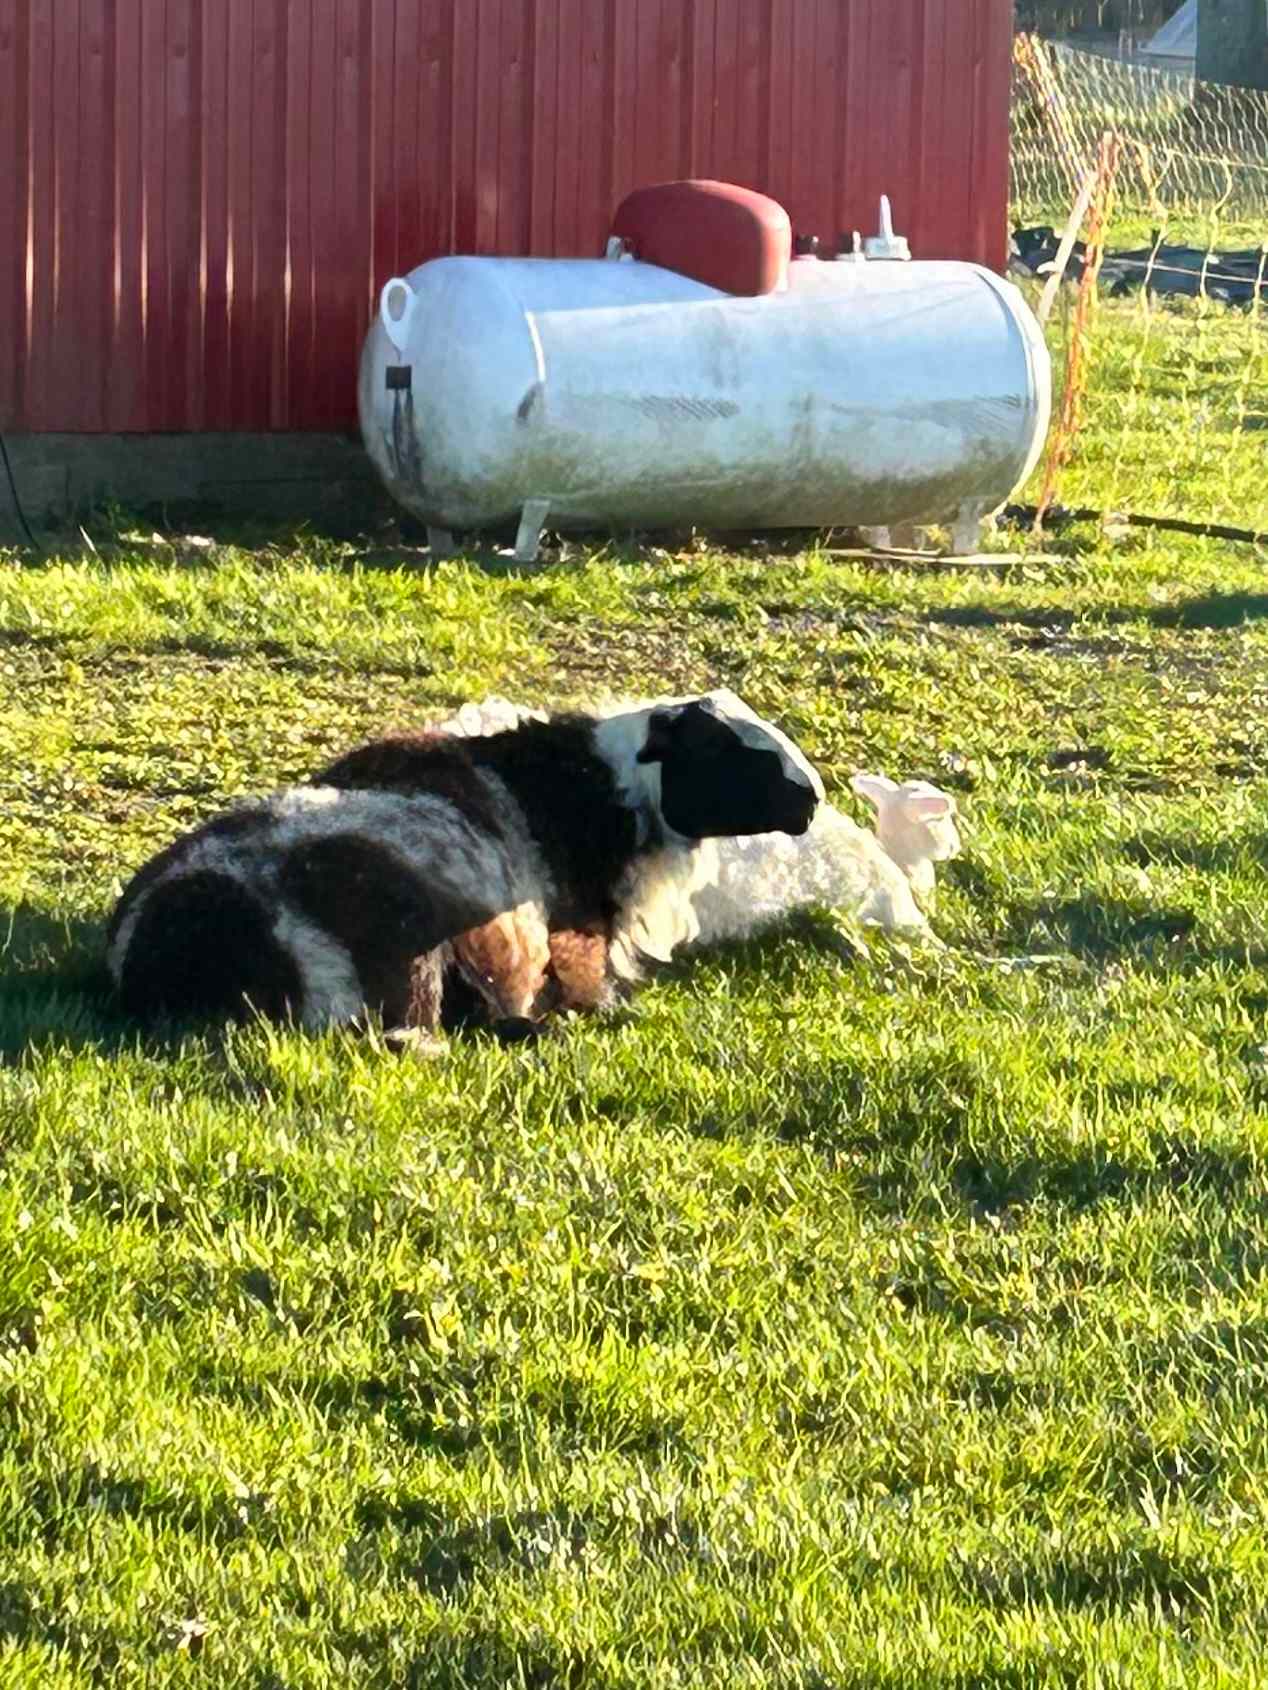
x=565, y=791
x=569, y=798
x=232, y=825
x=379, y=908
x=202, y=948
x=413, y=764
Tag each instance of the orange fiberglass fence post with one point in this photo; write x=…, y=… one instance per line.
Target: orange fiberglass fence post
x=1078, y=349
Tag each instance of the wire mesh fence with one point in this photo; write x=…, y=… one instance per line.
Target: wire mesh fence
x=1191, y=151
x=1169, y=347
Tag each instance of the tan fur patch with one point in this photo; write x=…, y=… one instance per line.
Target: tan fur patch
x=427, y=984
x=579, y=962
x=506, y=961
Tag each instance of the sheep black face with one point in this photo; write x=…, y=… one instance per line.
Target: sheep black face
x=723, y=775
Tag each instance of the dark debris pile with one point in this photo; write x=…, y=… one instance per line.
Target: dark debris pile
x=1164, y=269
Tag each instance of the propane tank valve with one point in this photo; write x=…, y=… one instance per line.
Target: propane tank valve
x=851, y=250
x=886, y=244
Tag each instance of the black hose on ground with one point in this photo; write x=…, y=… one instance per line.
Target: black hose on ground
x=1058, y=516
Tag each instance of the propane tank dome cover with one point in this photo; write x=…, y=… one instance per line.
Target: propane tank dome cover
x=727, y=237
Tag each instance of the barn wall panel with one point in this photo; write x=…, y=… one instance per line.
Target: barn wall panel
x=206, y=195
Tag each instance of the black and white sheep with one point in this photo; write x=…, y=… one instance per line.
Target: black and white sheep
x=323, y=902
x=734, y=887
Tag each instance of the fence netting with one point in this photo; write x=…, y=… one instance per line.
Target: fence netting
x=1164, y=338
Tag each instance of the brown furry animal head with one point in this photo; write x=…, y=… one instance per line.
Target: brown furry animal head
x=505, y=962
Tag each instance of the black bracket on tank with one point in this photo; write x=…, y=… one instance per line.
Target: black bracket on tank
x=403, y=444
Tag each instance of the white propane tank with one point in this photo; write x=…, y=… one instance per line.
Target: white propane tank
x=601, y=393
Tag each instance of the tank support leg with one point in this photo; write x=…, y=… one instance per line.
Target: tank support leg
x=974, y=519
x=532, y=523
x=905, y=537
x=440, y=542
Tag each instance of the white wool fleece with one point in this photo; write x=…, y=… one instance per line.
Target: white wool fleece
x=834, y=865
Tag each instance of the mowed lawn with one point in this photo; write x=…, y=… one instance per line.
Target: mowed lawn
x=843, y=1314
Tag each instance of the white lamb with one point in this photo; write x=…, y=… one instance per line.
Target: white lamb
x=875, y=877
x=915, y=822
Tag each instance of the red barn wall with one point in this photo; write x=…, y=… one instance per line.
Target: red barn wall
x=199, y=199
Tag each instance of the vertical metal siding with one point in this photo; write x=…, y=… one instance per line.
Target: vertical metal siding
x=199, y=199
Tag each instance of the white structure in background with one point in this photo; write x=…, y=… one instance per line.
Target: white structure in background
x=1175, y=46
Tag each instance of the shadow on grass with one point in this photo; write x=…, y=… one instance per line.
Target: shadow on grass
x=899, y=1128
x=183, y=534
x=1098, y=928
x=53, y=985
x=477, y=1655
x=1046, y=618
x=203, y=548
x=1108, y=1580
x=413, y=1409
x=55, y=991
x=278, y=654
x=441, y=1555
x=194, y=536
x=92, y=1649
x=1211, y=611
x=1156, y=938
x=768, y=955
x=87, y=1489
x=1180, y=1163
x=1091, y=929
x=1216, y=856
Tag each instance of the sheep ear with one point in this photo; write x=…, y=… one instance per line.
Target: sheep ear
x=695, y=726
x=874, y=787
x=660, y=736
x=929, y=806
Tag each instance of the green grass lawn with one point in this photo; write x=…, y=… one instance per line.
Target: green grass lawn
x=1176, y=409
x=813, y=1324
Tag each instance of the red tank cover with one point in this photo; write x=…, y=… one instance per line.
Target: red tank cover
x=726, y=237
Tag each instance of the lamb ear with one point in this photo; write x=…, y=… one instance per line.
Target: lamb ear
x=928, y=806
x=877, y=788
